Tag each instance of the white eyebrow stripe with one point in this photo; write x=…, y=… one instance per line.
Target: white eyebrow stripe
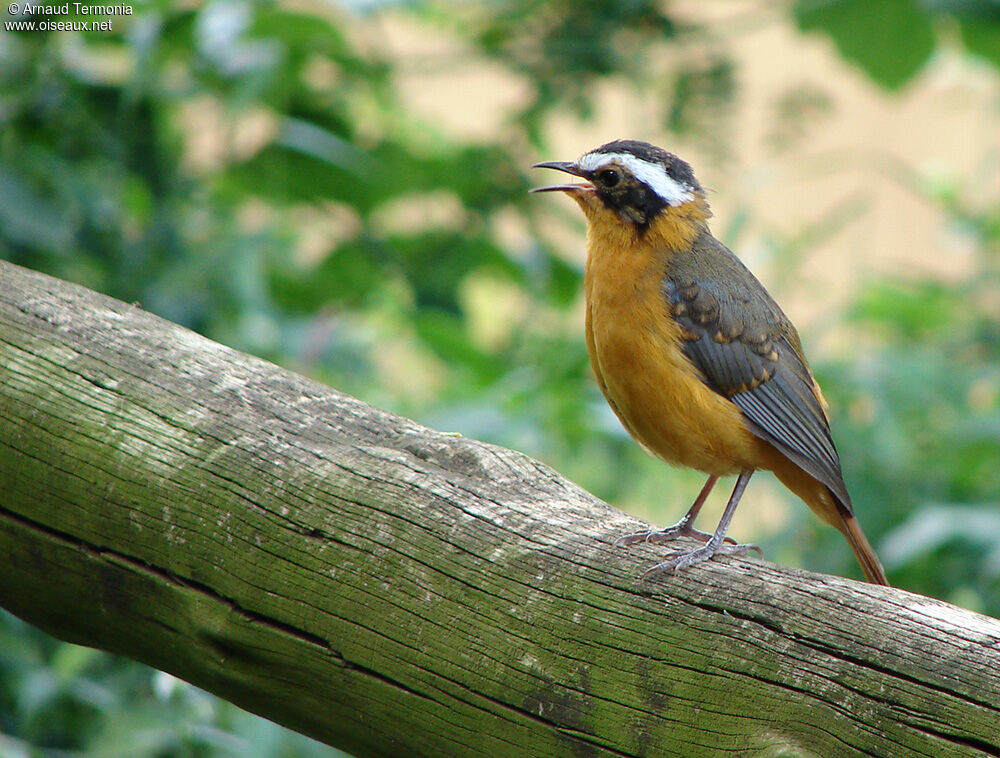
x=652, y=175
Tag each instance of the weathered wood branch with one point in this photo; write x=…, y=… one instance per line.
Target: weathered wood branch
x=394, y=591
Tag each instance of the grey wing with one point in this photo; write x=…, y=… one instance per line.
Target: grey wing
x=750, y=359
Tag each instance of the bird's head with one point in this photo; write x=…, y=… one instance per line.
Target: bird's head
x=638, y=182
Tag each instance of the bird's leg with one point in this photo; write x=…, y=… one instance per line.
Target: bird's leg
x=715, y=544
x=682, y=528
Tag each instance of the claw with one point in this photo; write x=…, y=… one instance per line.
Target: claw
x=667, y=534
x=681, y=560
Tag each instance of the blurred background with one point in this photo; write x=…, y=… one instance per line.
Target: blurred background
x=342, y=188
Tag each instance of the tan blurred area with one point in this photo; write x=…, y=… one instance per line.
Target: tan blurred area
x=851, y=181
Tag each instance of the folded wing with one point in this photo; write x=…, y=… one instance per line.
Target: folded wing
x=751, y=357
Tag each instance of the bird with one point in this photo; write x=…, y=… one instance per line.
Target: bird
x=694, y=356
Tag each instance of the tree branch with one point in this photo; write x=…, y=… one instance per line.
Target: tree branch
x=394, y=591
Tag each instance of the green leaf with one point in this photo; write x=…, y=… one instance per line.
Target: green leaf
x=890, y=40
x=292, y=176
x=981, y=36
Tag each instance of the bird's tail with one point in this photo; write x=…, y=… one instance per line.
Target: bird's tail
x=870, y=564
x=834, y=510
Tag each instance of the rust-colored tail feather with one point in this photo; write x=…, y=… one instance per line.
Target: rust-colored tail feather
x=870, y=564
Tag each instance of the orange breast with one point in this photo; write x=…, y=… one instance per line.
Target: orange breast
x=635, y=351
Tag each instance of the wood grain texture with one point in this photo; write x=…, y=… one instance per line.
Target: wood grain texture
x=398, y=592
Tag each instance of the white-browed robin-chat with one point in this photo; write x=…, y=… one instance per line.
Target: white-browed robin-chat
x=692, y=353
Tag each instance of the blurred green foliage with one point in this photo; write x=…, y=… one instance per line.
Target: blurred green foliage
x=891, y=40
x=926, y=409
x=59, y=700
x=252, y=171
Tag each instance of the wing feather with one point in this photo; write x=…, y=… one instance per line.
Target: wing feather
x=750, y=356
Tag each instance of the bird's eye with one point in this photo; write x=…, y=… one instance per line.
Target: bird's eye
x=609, y=177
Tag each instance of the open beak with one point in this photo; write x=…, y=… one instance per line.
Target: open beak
x=570, y=168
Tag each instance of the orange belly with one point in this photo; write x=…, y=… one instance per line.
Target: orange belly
x=658, y=394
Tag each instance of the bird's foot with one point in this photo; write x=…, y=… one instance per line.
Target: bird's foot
x=667, y=534
x=681, y=560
